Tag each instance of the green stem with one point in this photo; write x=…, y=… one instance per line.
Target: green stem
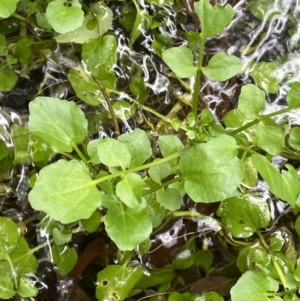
x=13, y=273
x=262, y=240
x=247, y=149
x=197, y=85
x=83, y=158
x=264, y=117
x=280, y=273
x=157, y=187
x=140, y=168
x=46, y=243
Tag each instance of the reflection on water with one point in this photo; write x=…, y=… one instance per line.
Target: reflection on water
x=247, y=37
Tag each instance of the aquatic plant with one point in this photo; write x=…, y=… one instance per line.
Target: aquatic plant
x=131, y=185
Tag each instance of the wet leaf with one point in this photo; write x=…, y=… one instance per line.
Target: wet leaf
x=265, y=76
x=64, y=18
x=294, y=138
x=7, y=290
x=285, y=186
x=8, y=78
x=123, y=110
x=9, y=235
x=127, y=227
x=61, y=237
x=256, y=286
x=115, y=282
x=251, y=101
x=65, y=191
x=64, y=258
x=211, y=171
x=213, y=18
x=142, y=22
x=138, y=145
x=242, y=216
x=269, y=138
x=7, y=8
x=100, y=57
x=266, y=9
x=181, y=61
x=170, y=198
x=85, y=86
x=129, y=190
x=222, y=66
x=26, y=288
x=60, y=123
x=292, y=96
x=113, y=153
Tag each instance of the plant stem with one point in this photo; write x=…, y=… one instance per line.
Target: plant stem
x=197, y=85
x=110, y=107
x=264, y=117
x=157, y=187
x=83, y=158
x=280, y=273
x=13, y=273
x=140, y=168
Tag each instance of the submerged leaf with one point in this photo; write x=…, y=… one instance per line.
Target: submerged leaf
x=65, y=191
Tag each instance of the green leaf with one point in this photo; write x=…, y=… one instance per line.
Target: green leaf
x=100, y=57
x=127, y=227
x=137, y=87
x=213, y=18
x=292, y=96
x=63, y=17
x=61, y=237
x=138, y=145
x=251, y=101
x=180, y=60
x=64, y=258
x=7, y=8
x=129, y=190
x=3, y=45
x=256, y=286
x=8, y=78
x=222, y=66
x=170, y=145
x=294, y=138
x=211, y=171
x=85, y=86
x=142, y=22
x=170, y=198
x=285, y=186
x=65, y=191
x=123, y=110
x=243, y=216
x=113, y=153
x=269, y=138
x=250, y=173
x=159, y=172
x=212, y=296
x=9, y=235
x=60, y=123
x=265, y=76
x=92, y=223
x=95, y=25
x=156, y=212
x=115, y=282
x=26, y=288
x=6, y=288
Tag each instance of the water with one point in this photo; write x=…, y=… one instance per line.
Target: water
x=246, y=37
